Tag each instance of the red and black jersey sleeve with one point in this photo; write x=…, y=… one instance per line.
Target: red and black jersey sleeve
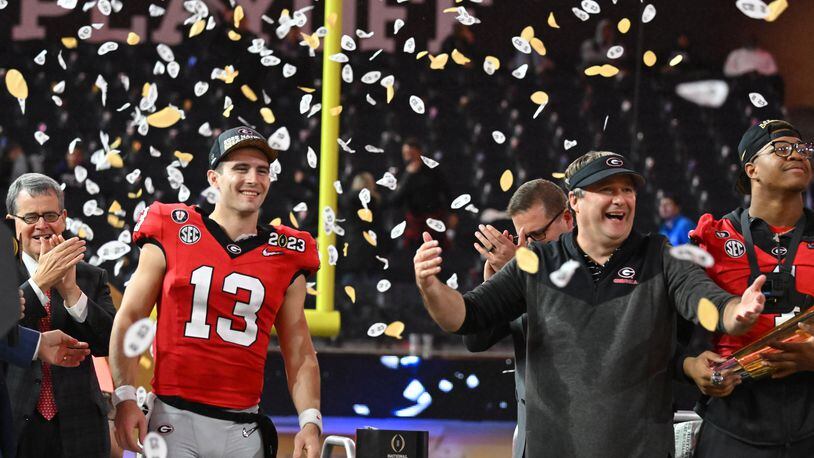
x=149, y=228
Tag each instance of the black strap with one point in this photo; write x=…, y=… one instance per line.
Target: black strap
x=788, y=262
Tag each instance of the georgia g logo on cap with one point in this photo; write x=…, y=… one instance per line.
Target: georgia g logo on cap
x=615, y=162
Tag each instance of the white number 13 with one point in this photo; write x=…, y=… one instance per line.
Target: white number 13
x=198, y=328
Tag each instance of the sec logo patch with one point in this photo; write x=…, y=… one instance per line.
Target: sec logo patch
x=189, y=234
x=734, y=248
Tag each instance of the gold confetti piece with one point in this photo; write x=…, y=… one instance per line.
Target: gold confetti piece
x=228, y=111
x=276, y=222
x=133, y=39
x=394, y=329
x=345, y=250
x=165, y=117
x=116, y=143
x=184, y=158
x=16, y=85
x=459, y=58
x=676, y=60
x=708, y=314
x=608, y=70
x=115, y=159
x=293, y=220
x=82, y=233
x=493, y=61
x=365, y=215
x=336, y=110
x=145, y=362
x=197, y=28
x=145, y=89
x=438, y=62
x=527, y=260
x=369, y=238
x=238, y=16
x=69, y=42
x=134, y=195
x=421, y=54
x=540, y=98
x=311, y=291
x=234, y=36
x=558, y=175
x=552, y=21
x=537, y=45
x=115, y=207
x=450, y=10
x=776, y=8
x=593, y=70
x=248, y=93
x=115, y=221
x=506, y=180
x=527, y=33
x=307, y=90
x=624, y=25
x=649, y=58
x=391, y=92
x=351, y=292
x=267, y=114
x=311, y=40
x=229, y=74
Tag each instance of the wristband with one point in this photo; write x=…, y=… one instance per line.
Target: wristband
x=124, y=393
x=311, y=416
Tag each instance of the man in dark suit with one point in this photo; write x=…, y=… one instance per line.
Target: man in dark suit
x=58, y=411
x=538, y=210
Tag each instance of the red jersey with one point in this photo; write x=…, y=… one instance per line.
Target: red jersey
x=723, y=240
x=218, y=302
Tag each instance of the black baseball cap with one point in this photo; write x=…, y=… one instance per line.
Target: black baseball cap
x=755, y=138
x=600, y=168
x=239, y=137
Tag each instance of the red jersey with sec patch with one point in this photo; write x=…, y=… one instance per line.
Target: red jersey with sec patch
x=218, y=302
x=724, y=241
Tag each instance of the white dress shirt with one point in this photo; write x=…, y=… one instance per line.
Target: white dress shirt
x=79, y=311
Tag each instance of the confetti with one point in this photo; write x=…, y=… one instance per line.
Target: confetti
x=268, y=115
x=436, y=225
x=568, y=144
x=333, y=255
x=347, y=73
x=84, y=32
x=649, y=58
x=382, y=286
x=289, y=70
x=67, y=4
x=417, y=104
x=365, y=215
x=581, y=15
x=429, y=162
x=491, y=64
x=397, y=25
x=138, y=337
x=112, y=250
x=527, y=260
x=280, y=140
x=776, y=8
x=676, y=60
x=590, y=6
x=351, y=293
x=371, y=77
x=166, y=117
x=694, y=254
x=506, y=180
x=538, y=46
x=376, y=329
x=107, y=47
x=41, y=137
x=615, y=52
x=398, y=229
x=347, y=43
x=563, y=275
x=409, y=46
x=438, y=62
x=461, y=201
x=521, y=45
x=757, y=100
x=624, y=25
x=520, y=72
x=649, y=13
x=708, y=314
x=498, y=137
x=40, y=59
x=394, y=329
x=155, y=446
x=452, y=281
x=340, y=58
x=16, y=84
x=311, y=157
x=370, y=237
x=552, y=21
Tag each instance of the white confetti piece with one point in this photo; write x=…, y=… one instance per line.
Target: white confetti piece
x=40, y=59
x=436, y=225
x=59, y=88
x=338, y=187
x=345, y=145
x=104, y=7
x=80, y=173
x=398, y=229
x=388, y=181
x=361, y=409
x=91, y=208
x=568, y=144
x=173, y=68
x=138, y=337
x=452, y=281
x=112, y=250
x=155, y=446
x=409, y=45
x=183, y=193
x=141, y=396
x=582, y=15
x=67, y=4
x=376, y=329
x=590, y=6
x=280, y=140
x=364, y=197
x=417, y=104
x=84, y=32
x=133, y=176
x=289, y=70
x=371, y=77
x=498, y=137
x=382, y=286
x=460, y=201
x=270, y=61
x=757, y=100
x=429, y=162
x=373, y=149
x=339, y=58
x=362, y=34
x=755, y=9
x=367, y=97
x=388, y=81
x=347, y=73
x=41, y=137
x=305, y=103
x=106, y=47
x=521, y=45
x=563, y=275
x=520, y=72
x=333, y=255
x=615, y=52
x=384, y=261
x=694, y=254
x=347, y=43
x=649, y=13
x=311, y=156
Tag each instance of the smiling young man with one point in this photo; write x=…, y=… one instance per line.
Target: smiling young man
x=599, y=348
x=774, y=416
x=220, y=281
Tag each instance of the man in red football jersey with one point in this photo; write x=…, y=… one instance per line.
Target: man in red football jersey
x=774, y=416
x=220, y=281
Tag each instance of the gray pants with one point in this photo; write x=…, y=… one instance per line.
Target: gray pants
x=190, y=435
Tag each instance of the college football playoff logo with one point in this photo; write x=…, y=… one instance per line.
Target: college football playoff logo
x=721, y=234
x=179, y=216
x=734, y=248
x=397, y=443
x=189, y=234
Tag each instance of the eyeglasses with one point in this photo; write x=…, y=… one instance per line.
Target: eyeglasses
x=32, y=218
x=539, y=234
x=784, y=149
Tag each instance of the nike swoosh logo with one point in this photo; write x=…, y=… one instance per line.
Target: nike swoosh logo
x=271, y=253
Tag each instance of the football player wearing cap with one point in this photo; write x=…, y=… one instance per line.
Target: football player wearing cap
x=773, y=416
x=219, y=281
x=599, y=348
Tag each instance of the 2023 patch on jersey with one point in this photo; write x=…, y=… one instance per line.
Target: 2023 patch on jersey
x=218, y=302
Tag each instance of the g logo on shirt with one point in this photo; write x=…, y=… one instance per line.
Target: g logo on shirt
x=626, y=272
x=779, y=251
x=721, y=234
x=734, y=248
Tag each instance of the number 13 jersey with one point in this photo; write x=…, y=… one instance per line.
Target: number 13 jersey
x=218, y=302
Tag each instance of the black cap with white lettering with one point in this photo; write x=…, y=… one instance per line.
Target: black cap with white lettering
x=757, y=137
x=239, y=137
x=600, y=168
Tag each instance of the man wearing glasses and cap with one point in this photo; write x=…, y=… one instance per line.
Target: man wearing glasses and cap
x=539, y=212
x=220, y=281
x=599, y=346
x=773, y=416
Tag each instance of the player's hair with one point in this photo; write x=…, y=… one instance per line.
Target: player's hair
x=35, y=184
x=672, y=196
x=535, y=192
x=581, y=162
